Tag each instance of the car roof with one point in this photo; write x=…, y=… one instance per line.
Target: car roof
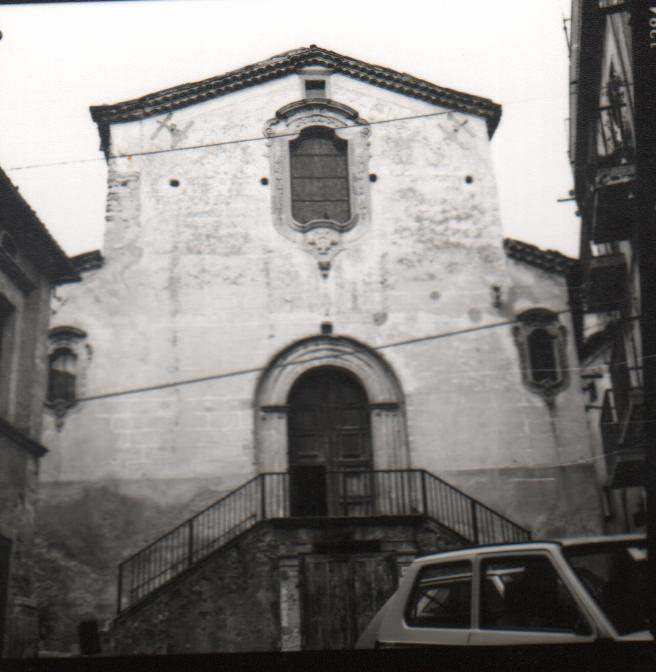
x=471, y=551
x=603, y=539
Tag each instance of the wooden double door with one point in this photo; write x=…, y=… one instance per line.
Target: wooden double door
x=329, y=432
x=341, y=594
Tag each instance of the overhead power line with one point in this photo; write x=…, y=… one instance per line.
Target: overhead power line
x=331, y=357
x=222, y=143
x=259, y=369
x=258, y=138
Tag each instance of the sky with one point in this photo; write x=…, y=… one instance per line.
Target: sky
x=57, y=60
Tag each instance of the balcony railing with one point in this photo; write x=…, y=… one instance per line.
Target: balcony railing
x=267, y=496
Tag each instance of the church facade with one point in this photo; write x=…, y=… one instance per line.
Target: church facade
x=303, y=286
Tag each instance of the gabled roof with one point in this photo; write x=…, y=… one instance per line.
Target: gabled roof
x=549, y=260
x=31, y=236
x=288, y=63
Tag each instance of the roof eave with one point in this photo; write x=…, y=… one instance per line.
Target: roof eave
x=32, y=237
x=550, y=261
x=285, y=64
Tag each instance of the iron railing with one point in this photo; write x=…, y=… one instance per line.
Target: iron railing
x=349, y=494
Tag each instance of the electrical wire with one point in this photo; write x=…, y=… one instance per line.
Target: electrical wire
x=223, y=143
x=332, y=357
x=259, y=369
x=260, y=138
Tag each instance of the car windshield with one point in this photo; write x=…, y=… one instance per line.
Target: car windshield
x=615, y=575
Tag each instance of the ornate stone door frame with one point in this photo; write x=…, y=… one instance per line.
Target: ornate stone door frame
x=388, y=430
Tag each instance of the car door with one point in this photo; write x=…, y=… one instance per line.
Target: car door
x=433, y=608
x=523, y=598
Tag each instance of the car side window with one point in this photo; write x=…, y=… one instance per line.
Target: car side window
x=441, y=597
x=526, y=593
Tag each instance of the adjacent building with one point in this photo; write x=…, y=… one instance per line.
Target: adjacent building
x=606, y=290
x=31, y=265
x=305, y=356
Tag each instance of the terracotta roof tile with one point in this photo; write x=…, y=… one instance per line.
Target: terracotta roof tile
x=288, y=63
x=549, y=260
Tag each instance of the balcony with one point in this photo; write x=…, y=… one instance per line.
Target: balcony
x=604, y=283
x=622, y=442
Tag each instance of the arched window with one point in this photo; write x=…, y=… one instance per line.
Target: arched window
x=319, y=161
x=62, y=374
x=319, y=176
x=542, y=355
x=541, y=341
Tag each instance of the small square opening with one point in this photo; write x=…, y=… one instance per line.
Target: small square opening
x=315, y=88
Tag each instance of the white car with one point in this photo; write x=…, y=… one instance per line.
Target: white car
x=576, y=590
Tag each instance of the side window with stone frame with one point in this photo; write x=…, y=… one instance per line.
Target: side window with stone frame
x=542, y=343
x=69, y=355
x=62, y=374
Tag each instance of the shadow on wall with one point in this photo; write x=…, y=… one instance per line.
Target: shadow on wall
x=83, y=533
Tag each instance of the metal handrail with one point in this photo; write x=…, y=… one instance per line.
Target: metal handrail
x=354, y=493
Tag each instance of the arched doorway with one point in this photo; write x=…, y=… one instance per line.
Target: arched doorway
x=389, y=445
x=329, y=450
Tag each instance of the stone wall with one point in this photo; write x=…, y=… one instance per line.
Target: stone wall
x=248, y=595
x=18, y=483
x=23, y=372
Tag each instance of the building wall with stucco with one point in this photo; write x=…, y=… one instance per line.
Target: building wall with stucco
x=31, y=264
x=202, y=282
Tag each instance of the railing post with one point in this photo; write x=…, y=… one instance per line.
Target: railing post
x=474, y=520
x=120, y=588
x=263, y=495
x=424, y=494
x=190, y=542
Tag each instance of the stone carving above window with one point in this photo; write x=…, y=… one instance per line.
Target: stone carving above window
x=541, y=340
x=319, y=161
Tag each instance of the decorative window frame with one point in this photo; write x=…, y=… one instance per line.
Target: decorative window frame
x=322, y=238
x=73, y=339
x=530, y=321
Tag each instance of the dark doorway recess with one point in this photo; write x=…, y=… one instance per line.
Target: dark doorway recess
x=329, y=445
x=341, y=594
